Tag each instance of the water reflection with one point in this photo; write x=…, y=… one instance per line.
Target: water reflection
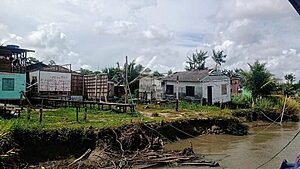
x=249, y=151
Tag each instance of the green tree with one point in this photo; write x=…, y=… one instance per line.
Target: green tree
x=170, y=72
x=196, y=61
x=258, y=80
x=85, y=71
x=157, y=74
x=117, y=74
x=290, y=78
x=218, y=57
x=232, y=73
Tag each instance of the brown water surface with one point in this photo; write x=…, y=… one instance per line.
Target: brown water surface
x=246, y=152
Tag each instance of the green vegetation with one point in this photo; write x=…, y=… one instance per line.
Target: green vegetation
x=66, y=118
x=196, y=61
x=258, y=80
x=187, y=110
x=242, y=101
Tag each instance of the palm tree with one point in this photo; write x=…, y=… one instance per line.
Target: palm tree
x=196, y=61
x=290, y=78
x=218, y=57
x=258, y=80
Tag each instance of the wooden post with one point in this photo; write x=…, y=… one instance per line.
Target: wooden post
x=77, y=109
x=126, y=80
x=41, y=115
x=177, y=94
x=85, y=114
x=28, y=113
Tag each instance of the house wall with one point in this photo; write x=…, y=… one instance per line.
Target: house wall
x=182, y=88
x=201, y=88
x=19, y=85
x=151, y=87
x=216, y=83
x=52, y=81
x=96, y=86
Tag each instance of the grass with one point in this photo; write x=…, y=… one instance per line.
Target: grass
x=66, y=117
x=167, y=112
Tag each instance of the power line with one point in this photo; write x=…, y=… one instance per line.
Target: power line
x=187, y=133
x=158, y=133
x=279, y=151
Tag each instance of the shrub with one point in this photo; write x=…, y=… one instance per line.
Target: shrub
x=242, y=100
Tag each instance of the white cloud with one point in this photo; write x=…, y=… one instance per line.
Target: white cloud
x=101, y=33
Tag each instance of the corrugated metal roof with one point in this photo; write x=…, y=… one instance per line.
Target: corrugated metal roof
x=188, y=76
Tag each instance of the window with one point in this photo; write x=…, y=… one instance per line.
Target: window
x=8, y=84
x=190, y=90
x=169, y=89
x=224, y=89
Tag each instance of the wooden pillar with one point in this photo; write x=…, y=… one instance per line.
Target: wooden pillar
x=85, y=114
x=77, y=111
x=41, y=115
x=28, y=113
x=177, y=94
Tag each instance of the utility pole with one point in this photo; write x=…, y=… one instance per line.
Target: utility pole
x=126, y=80
x=177, y=94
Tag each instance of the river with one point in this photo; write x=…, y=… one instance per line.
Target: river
x=246, y=152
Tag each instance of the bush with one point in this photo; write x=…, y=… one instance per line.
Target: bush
x=267, y=105
x=275, y=104
x=242, y=100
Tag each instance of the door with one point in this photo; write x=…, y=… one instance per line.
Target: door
x=209, y=95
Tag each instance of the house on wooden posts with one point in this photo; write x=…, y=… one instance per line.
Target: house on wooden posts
x=207, y=86
x=96, y=87
x=55, y=81
x=150, y=88
x=12, y=72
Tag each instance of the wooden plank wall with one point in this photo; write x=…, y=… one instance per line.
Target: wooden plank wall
x=96, y=86
x=76, y=85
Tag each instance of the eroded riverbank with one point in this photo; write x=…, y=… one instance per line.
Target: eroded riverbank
x=36, y=146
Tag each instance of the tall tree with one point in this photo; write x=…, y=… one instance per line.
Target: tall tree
x=290, y=78
x=85, y=71
x=196, y=61
x=117, y=74
x=157, y=74
x=218, y=57
x=258, y=80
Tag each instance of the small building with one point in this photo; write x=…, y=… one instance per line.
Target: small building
x=208, y=86
x=12, y=72
x=235, y=86
x=96, y=86
x=150, y=88
x=55, y=81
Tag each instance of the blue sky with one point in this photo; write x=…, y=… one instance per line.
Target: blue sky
x=98, y=33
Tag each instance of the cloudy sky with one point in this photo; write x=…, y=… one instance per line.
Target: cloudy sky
x=160, y=33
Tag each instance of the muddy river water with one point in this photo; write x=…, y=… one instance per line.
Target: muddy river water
x=246, y=152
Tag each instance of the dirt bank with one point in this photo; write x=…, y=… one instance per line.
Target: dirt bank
x=22, y=147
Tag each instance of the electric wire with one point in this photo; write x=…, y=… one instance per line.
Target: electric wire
x=275, y=155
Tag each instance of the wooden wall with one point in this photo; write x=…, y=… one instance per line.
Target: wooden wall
x=96, y=86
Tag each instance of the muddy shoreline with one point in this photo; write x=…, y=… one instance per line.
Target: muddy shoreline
x=22, y=148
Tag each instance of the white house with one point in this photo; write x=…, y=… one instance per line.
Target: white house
x=150, y=88
x=206, y=85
